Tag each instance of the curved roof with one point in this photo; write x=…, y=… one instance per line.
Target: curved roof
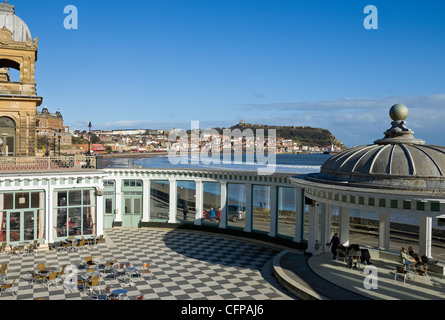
x=8, y=19
x=398, y=161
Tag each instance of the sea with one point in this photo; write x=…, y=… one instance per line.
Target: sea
x=282, y=163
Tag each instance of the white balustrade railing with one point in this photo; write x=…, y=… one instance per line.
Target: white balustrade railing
x=53, y=163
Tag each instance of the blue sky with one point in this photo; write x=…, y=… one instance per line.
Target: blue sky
x=164, y=63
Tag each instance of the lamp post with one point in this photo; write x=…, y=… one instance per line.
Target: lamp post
x=89, y=138
x=60, y=133
x=54, y=145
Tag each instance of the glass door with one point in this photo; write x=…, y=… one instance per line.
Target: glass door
x=14, y=226
x=132, y=212
x=109, y=211
x=22, y=226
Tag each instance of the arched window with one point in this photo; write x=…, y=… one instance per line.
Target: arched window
x=7, y=137
x=10, y=69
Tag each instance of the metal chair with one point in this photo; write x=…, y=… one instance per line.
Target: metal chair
x=424, y=273
x=7, y=287
x=93, y=284
x=52, y=279
x=341, y=256
x=400, y=272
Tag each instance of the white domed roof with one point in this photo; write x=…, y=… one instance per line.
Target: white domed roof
x=8, y=19
x=398, y=161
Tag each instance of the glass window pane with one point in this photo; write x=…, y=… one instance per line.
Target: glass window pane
x=108, y=206
x=61, y=198
x=160, y=198
x=86, y=198
x=22, y=200
x=186, y=200
x=212, y=201
x=14, y=227
x=3, y=226
x=261, y=208
x=29, y=225
x=35, y=200
x=137, y=206
x=75, y=198
x=74, y=222
x=128, y=206
x=8, y=201
x=88, y=221
x=287, y=209
x=60, y=223
x=236, y=209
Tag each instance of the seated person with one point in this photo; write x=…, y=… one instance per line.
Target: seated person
x=414, y=255
x=406, y=258
x=421, y=260
x=353, y=251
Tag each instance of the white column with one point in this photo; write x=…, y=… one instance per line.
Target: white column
x=425, y=235
x=344, y=226
x=146, y=198
x=299, y=201
x=384, y=230
x=199, y=202
x=327, y=220
x=99, y=214
x=173, y=201
x=273, y=211
x=249, y=208
x=312, y=228
x=118, y=217
x=223, y=222
x=50, y=201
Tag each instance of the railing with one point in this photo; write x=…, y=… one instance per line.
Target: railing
x=76, y=162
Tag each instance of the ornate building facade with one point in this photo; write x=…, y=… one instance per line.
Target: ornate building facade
x=18, y=100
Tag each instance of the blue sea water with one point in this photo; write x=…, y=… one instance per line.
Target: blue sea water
x=283, y=163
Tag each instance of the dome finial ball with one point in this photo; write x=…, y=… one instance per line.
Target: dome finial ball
x=399, y=112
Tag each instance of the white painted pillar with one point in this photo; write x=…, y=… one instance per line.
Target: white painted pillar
x=384, y=230
x=49, y=214
x=312, y=229
x=327, y=220
x=425, y=235
x=299, y=201
x=173, y=201
x=118, y=217
x=273, y=211
x=146, y=198
x=249, y=208
x=344, y=226
x=199, y=202
x=223, y=222
x=99, y=214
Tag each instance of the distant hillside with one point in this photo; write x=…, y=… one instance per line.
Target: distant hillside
x=302, y=135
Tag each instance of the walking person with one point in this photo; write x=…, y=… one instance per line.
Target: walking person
x=335, y=242
x=185, y=209
x=212, y=215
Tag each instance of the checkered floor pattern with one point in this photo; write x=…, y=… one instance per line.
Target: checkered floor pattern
x=185, y=266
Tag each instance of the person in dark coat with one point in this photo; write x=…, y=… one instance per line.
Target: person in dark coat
x=335, y=242
x=185, y=209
